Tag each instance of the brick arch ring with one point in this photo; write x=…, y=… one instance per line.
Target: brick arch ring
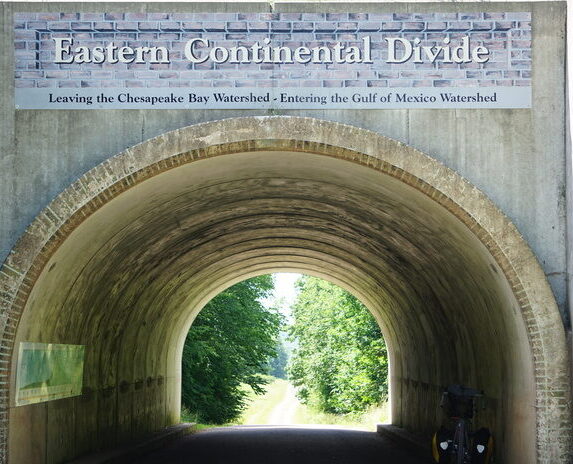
x=539, y=311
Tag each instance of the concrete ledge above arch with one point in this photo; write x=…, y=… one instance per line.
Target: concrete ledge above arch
x=440, y=185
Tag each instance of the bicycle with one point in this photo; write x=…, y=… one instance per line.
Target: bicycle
x=459, y=445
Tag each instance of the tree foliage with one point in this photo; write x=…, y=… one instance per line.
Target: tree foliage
x=229, y=344
x=340, y=364
x=277, y=365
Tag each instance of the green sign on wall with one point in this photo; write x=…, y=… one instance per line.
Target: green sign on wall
x=48, y=372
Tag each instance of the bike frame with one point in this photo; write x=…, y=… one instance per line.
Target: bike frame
x=461, y=441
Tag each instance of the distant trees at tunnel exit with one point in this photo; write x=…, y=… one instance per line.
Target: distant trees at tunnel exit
x=229, y=345
x=339, y=364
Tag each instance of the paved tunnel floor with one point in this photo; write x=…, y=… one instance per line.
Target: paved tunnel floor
x=282, y=445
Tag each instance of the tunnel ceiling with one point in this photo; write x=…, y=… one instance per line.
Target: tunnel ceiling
x=145, y=263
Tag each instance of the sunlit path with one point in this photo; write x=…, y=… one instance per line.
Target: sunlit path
x=277, y=406
x=280, y=406
x=278, y=445
x=284, y=412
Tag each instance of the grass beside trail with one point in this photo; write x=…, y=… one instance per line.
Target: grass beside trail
x=261, y=407
x=365, y=421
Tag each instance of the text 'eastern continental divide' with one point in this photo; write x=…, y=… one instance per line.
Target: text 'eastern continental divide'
x=200, y=50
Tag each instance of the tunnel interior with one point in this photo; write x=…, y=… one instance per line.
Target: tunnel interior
x=129, y=280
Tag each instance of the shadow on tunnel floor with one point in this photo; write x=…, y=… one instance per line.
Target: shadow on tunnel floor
x=283, y=444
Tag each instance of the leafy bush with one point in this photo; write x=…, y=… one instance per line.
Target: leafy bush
x=340, y=365
x=229, y=344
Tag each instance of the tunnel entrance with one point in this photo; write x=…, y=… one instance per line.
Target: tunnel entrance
x=124, y=259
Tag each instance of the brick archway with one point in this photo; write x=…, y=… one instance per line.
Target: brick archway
x=537, y=307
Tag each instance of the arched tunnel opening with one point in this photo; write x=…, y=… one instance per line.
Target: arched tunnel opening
x=285, y=349
x=129, y=279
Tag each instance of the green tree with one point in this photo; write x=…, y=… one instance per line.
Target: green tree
x=340, y=364
x=229, y=345
x=277, y=365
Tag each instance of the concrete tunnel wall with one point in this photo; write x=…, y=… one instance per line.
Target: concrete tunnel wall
x=157, y=231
